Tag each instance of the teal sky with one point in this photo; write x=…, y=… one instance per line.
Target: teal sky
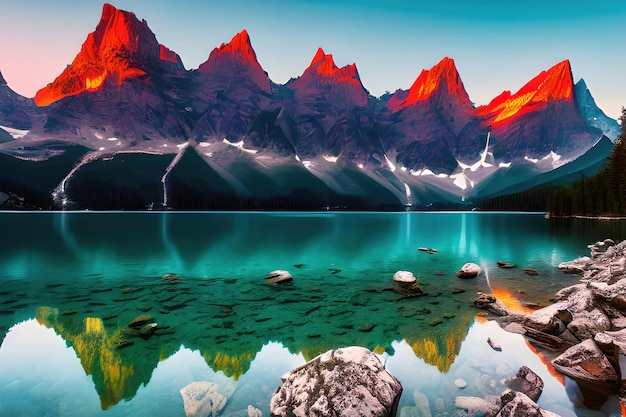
x=497, y=44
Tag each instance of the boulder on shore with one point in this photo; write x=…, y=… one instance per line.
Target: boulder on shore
x=600, y=247
x=349, y=381
x=577, y=266
x=586, y=324
x=469, y=270
x=586, y=364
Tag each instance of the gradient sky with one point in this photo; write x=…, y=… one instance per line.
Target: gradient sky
x=497, y=44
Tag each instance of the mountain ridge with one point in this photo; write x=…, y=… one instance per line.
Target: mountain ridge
x=127, y=93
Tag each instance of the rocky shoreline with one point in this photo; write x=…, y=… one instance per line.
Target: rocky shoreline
x=580, y=335
x=583, y=333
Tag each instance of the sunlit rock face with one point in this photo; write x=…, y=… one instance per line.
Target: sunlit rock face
x=541, y=117
x=123, y=59
x=551, y=85
x=121, y=47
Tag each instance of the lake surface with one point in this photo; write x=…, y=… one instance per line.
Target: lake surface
x=70, y=284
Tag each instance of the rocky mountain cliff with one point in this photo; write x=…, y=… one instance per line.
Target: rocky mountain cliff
x=16, y=112
x=225, y=136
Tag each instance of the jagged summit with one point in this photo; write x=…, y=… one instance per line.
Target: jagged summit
x=2, y=81
x=323, y=77
x=236, y=58
x=125, y=92
x=121, y=47
x=442, y=77
x=548, y=86
x=324, y=65
x=593, y=115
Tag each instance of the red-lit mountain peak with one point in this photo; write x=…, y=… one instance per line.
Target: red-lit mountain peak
x=548, y=86
x=236, y=57
x=120, y=48
x=323, y=77
x=239, y=47
x=442, y=77
x=324, y=65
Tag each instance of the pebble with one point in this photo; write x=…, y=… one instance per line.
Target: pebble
x=460, y=383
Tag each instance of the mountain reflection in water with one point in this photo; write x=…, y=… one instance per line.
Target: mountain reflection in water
x=87, y=277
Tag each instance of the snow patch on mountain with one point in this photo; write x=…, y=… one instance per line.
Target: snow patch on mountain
x=15, y=133
x=239, y=145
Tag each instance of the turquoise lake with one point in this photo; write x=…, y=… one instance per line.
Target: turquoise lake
x=71, y=282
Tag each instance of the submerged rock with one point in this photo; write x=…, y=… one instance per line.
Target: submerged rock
x=530, y=271
x=140, y=321
x=469, y=270
x=476, y=406
x=343, y=382
x=278, y=277
x=421, y=408
x=201, y=399
x=254, y=412
x=148, y=330
x=171, y=278
x=506, y=264
x=430, y=251
x=409, y=290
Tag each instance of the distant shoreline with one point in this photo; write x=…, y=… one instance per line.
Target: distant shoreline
x=578, y=216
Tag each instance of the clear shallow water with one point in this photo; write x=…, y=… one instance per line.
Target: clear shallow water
x=71, y=282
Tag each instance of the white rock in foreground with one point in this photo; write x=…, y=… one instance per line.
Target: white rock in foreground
x=343, y=382
x=201, y=399
x=404, y=276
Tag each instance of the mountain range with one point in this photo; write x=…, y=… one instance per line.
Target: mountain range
x=127, y=126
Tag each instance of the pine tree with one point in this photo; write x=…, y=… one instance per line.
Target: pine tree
x=604, y=193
